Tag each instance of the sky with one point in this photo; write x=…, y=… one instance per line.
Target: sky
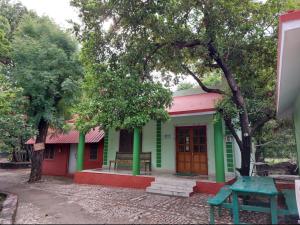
x=59, y=10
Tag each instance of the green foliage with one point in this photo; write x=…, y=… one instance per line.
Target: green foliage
x=185, y=86
x=13, y=12
x=5, y=48
x=118, y=99
x=46, y=67
x=212, y=79
x=277, y=140
x=13, y=126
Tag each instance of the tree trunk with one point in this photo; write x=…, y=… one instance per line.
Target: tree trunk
x=246, y=155
x=38, y=156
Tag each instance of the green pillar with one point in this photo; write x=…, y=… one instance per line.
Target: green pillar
x=80, y=151
x=136, y=151
x=219, y=149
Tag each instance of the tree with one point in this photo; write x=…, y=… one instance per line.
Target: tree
x=47, y=69
x=13, y=125
x=236, y=39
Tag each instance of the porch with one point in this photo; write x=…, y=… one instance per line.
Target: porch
x=124, y=178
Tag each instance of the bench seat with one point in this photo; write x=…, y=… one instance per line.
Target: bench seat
x=122, y=159
x=221, y=199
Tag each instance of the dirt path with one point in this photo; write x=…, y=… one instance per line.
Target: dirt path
x=57, y=200
x=39, y=205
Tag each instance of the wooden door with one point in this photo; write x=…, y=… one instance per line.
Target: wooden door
x=191, y=150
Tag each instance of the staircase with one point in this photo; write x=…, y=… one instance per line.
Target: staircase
x=172, y=187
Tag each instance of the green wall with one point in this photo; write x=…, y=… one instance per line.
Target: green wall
x=168, y=156
x=296, y=116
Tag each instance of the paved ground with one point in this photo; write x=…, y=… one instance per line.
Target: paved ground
x=58, y=200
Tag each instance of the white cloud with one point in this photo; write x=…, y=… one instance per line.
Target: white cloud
x=59, y=10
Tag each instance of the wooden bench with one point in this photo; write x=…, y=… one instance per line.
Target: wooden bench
x=221, y=199
x=290, y=201
x=127, y=158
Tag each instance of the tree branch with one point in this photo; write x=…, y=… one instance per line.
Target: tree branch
x=204, y=88
x=237, y=96
x=258, y=124
x=188, y=44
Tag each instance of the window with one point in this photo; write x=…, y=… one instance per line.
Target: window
x=49, y=152
x=94, y=152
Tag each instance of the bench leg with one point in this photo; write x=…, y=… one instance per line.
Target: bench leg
x=274, y=215
x=235, y=208
x=212, y=215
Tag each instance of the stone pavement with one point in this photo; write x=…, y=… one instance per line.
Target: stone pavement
x=58, y=200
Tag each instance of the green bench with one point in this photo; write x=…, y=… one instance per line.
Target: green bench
x=221, y=199
x=290, y=201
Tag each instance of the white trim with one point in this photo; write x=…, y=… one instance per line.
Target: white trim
x=194, y=114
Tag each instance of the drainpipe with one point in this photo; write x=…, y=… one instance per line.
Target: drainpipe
x=219, y=149
x=80, y=152
x=136, y=151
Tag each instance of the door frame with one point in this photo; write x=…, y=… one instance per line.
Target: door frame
x=190, y=126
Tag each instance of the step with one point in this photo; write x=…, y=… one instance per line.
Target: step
x=172, y=187
x=175, y=182
x=167, y=192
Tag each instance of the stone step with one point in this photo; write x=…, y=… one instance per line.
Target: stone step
x=172, y=187
x=175, y=182
x=168, y=192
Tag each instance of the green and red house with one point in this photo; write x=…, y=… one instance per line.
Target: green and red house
x=193, y=141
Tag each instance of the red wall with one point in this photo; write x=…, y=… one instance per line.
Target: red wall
x=115, y=180
x=92, y=164
x=59, y=165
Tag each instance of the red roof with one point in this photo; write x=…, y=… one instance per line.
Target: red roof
x=195, y=103
x=72, y=137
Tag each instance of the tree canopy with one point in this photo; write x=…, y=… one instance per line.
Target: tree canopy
x=118, y=99
x=46, y=67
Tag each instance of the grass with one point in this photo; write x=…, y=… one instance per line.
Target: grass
x=272, y=161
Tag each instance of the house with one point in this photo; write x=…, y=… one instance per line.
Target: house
x=60, y=153
x=288, y=71
x=193, y=142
